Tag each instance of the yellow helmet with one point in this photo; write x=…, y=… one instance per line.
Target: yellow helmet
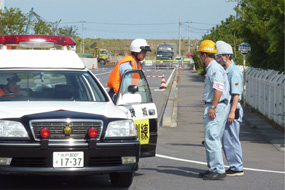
x=208, y=46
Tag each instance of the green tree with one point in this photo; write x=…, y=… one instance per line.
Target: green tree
x=261, y=24
x=70, y=31
x=42, y=27
x=12, y=22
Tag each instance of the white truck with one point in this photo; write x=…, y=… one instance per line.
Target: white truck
x=165, y=54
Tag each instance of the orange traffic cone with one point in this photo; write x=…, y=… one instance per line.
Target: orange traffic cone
x=194, y=68
x=163, y=84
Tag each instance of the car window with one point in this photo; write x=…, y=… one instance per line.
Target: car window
x=49, y=86
x=136, y=78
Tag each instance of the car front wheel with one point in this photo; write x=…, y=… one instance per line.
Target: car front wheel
x=122, y=179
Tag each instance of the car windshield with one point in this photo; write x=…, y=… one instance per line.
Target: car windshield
x=44, y=85
x=164, y=54
x=104, y=52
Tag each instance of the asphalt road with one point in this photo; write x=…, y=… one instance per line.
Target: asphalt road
x=180, y=155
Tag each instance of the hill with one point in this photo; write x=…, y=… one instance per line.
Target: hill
x=120, y=47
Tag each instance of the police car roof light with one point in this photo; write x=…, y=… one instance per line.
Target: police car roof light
x=33, y=41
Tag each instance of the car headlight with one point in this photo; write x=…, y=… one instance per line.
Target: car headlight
x=12, y=129
x=122, y=128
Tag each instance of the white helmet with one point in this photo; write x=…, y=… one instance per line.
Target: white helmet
x=218, y=43
x=224, y=48
x=138, y=45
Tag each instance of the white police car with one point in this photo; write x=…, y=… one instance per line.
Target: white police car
x=56, y=118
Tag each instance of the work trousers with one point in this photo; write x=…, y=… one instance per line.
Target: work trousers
x=231, y=144
x=213, y=133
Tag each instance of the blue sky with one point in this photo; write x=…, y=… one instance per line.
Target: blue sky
x=129, y=19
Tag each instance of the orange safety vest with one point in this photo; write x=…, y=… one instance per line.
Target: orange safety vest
x=115, y=76
x=3, y=93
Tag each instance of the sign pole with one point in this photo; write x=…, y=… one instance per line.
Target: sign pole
x=244, y=85
x=244, y=49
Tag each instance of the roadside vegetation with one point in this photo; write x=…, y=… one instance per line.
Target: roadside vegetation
x=261, y=24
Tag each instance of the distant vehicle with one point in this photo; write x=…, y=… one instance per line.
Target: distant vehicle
x=102, y=55
x=166, y=53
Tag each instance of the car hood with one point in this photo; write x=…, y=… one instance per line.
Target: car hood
x=19, y=109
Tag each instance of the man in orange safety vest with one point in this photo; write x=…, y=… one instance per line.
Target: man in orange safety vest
x=139, y=48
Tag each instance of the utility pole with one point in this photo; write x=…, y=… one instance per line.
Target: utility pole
x=179, y=36
x=83, y=35
x=238, y=3
x=2, y=5
x=189, y=46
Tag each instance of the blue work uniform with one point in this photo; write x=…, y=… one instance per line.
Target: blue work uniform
x=231, y=144
x=216, y=79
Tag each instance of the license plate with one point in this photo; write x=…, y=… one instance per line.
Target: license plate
x=68, y=159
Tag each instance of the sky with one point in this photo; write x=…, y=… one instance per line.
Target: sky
x=131, y=19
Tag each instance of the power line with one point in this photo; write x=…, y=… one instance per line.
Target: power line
x=125, y=24
x=136, y=24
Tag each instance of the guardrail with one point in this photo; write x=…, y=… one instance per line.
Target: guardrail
x=166, y=63
x=265, y=91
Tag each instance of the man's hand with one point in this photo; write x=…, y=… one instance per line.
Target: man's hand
x=212, y=113
x=231, y=117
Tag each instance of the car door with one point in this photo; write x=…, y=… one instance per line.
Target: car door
x=135, y=99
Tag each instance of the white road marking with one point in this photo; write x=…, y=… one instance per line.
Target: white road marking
x=204, y=163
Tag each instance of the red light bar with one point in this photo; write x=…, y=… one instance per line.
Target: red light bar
x=57, y=40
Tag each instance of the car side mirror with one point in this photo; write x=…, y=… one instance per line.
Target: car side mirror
x=133, y=89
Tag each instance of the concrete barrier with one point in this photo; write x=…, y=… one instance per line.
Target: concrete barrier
x=90, y=63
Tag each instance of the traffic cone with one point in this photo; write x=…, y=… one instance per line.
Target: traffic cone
x=194, y=68
x=93, y=66
x=163, y=84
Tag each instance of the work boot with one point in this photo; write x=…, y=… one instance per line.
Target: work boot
x=214, y=176
x=230, y=172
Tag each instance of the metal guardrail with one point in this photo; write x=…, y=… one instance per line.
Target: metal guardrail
x=265, y=91
x=165, y=63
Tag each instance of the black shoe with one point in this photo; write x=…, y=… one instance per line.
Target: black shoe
x=214, y=176
x=204, y=173
x=230, y=172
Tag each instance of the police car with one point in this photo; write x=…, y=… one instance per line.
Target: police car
x=57, y=119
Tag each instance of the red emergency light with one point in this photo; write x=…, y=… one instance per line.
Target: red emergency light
x=45, y=133
x=37, y=40
x=92, y=132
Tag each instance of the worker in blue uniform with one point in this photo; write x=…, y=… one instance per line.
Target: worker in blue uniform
x=231, y=143
x=216, y=98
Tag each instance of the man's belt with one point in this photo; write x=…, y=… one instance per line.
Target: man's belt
x=224, y=102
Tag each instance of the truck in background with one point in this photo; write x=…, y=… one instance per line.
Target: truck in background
x=166, y=52
x=102, y=55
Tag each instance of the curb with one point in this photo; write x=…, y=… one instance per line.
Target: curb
x=268, y=132
x=169, y=118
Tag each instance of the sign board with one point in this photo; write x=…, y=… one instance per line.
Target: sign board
x=148, y=63
x=244, y=48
